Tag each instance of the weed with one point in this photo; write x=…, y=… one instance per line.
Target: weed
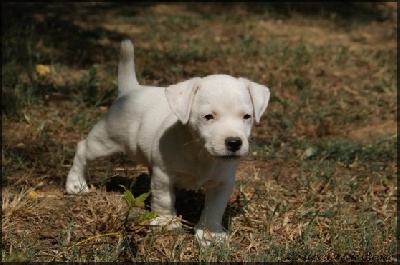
x=133, y=214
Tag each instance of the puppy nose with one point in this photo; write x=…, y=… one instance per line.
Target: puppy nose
x=233, y=143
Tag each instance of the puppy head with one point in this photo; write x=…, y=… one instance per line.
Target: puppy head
x=220, y=111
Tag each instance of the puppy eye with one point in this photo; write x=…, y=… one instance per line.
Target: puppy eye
x=246, y=116
x=208, y=117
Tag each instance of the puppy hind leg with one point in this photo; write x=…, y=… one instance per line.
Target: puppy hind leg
x=96, y=145
x=76, y=182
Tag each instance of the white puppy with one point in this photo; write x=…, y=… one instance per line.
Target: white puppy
x=190, y=135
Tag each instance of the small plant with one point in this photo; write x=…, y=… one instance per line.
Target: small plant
x=134, y=204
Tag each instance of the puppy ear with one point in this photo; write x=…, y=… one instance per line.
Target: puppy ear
x=180, y=97
x=259, y=95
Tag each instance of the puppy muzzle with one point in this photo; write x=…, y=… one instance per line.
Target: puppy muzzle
x=233, y=149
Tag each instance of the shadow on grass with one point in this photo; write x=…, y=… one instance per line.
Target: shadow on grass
x=71, y=33
x=188, y=204
x=55, y=25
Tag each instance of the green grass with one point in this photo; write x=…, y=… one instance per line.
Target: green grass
x=318, y=185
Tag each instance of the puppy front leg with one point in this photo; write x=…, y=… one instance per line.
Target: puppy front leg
x=163, y=200
x=210, y=226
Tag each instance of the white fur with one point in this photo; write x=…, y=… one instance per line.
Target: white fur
x=190, y=135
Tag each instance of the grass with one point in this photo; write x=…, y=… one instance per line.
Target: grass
x=318, y=185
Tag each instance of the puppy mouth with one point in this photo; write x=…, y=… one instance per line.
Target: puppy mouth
x=228, y=158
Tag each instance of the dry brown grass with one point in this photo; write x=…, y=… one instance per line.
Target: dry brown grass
x=319, y=185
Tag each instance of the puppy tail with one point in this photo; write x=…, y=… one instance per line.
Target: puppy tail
x=126, y=68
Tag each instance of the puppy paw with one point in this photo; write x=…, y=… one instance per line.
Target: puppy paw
x=76, y=187
x=168, y=222
x=207, y=238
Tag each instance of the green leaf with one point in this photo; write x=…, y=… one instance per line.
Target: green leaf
x=129, y=198
x=139, y=201
x=152, y=215
x=146, y=216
